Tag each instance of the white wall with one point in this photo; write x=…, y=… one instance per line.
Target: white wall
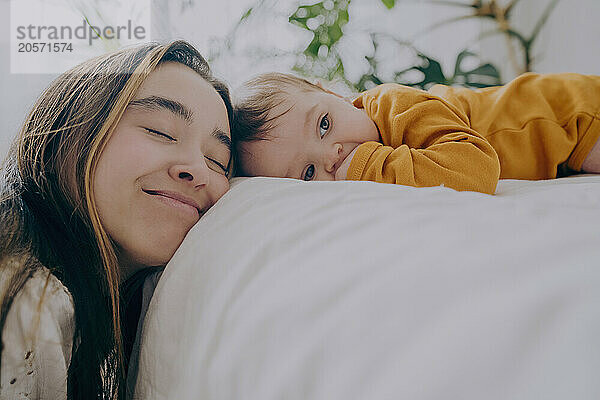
x=571, y=41
x=18, y=92
x=568, y=42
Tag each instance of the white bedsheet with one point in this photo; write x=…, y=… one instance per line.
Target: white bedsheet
x=357, y=290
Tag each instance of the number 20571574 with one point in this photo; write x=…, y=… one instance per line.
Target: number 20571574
x=44, y=47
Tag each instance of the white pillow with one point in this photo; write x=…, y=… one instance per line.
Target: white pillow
x=357, y=290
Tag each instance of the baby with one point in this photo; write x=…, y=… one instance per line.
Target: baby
x=535, y=127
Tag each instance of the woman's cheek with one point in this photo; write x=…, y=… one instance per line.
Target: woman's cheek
x=221, y=187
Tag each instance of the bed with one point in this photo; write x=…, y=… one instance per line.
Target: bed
x=358, y=290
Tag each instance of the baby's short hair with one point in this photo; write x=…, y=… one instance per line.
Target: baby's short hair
x=253, y=106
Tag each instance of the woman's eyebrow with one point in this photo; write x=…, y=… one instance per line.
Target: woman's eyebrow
x=162, y=103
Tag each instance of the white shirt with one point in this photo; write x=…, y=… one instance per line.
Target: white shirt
x=38, y=339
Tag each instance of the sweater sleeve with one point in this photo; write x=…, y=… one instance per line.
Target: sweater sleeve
x=38, y=338
x=425, y=142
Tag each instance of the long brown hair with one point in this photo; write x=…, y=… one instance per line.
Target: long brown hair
x=48, y=215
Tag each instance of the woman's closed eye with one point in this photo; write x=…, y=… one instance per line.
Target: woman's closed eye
x=324, y=125
x=159, y=133
x=211, y=162
x=216, y=165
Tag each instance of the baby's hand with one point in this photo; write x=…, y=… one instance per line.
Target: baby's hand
x=342, y=170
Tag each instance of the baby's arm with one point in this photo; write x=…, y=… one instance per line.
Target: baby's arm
x=426, y=142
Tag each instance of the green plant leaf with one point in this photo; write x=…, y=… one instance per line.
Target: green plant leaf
x=431, y=70
x=389, y=3
x=460, y=58
x=326, y=33
x=303, y=13
x=313, y=48
x=364, y=80
x=481, y=76
x=246, y=14
x=335, y=33
x=485, y=69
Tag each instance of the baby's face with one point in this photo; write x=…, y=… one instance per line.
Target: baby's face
x=311, y=140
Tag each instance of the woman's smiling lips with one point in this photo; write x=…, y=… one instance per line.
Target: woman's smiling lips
x=177, y=200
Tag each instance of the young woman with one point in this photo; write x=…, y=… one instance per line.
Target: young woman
x=118, y=159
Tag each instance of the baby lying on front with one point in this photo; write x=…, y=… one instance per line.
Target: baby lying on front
x=535, y=127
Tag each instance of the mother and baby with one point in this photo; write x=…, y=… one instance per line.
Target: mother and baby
x=123, y=154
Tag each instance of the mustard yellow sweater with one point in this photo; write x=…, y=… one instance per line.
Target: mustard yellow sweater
x=468, y=139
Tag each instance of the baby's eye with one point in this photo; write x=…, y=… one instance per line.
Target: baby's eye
x=159, y=133
x=309, y=174
x=324, y=125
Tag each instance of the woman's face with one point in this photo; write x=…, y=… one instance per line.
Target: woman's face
x=163, y=167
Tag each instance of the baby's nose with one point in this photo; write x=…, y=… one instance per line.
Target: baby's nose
x=333, y=157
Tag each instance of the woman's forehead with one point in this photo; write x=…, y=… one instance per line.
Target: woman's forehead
x=180, y=84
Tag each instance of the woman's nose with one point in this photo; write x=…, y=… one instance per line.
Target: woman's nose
x=332, y=156
x=195, y=174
